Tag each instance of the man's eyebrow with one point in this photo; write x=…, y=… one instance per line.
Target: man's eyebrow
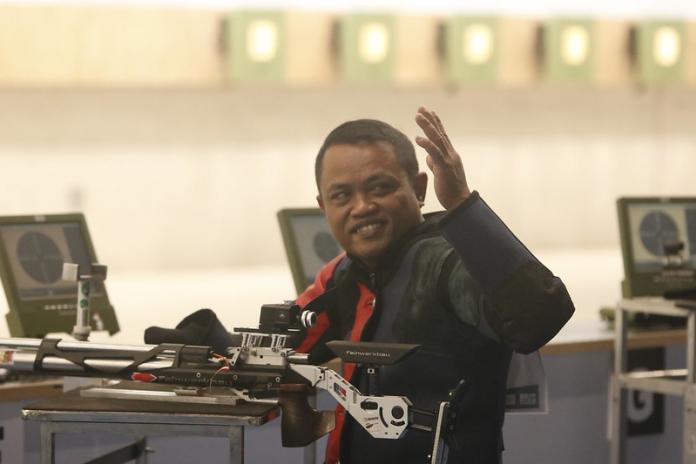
x=337, y=186
x=373, y=178
x=380, y=176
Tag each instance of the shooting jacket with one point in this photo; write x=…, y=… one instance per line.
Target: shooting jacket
x=469, y=292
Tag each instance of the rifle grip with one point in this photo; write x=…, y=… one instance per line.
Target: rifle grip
x=301, y=424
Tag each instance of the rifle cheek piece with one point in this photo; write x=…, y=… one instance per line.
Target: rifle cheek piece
x=300, y=423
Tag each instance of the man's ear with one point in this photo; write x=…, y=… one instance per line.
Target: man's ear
x=420, y=185
x=320, y=202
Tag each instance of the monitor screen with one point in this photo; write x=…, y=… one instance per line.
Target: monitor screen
x=36, y=255
x=308, y=243
x=32, y=252
x=658, y=238
x=654, y=225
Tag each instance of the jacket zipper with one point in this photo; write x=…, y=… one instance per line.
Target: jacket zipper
x=373, y=284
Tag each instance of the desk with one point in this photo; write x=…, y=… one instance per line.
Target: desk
x=677, y=382
x=589, y=335
x=72, y=413
x=19, y=391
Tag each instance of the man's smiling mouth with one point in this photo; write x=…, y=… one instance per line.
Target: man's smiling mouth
x=367, y=228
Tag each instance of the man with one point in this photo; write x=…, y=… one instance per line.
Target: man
x=458, y=283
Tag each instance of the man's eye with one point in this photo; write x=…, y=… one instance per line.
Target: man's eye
x=339, y=196
x=382, y=188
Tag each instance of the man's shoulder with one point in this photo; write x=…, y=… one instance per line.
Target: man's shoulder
x=428, y=234
x=427, y=246
x=428, y=255
x=329, y=270
x=432, y=245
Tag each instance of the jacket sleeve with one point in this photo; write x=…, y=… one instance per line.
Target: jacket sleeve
x=523, y=304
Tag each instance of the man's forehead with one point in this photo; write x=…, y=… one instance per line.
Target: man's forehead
x=364, y=160
x=364, y=177
x=349, y=155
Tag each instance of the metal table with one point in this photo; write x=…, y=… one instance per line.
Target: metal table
x=72, y=413
x=678, y=382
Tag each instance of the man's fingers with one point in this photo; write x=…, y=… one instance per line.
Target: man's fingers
x=426, y=113
x=431, y=131
x=429, y=161
x=451, y=187
x=441, y=128
x=437, y=134
x=434, y=119
x=432, y=149
x=427, y=120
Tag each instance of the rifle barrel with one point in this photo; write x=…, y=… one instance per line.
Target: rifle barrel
x=34, y=343
x=24, y=361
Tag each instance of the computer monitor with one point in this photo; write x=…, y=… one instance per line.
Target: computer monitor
x=32, y=252
x=308, y=243
x=649, y=227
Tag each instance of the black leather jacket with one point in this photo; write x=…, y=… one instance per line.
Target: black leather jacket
x=467, y=290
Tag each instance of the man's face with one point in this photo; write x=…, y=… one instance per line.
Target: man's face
x=368, y=199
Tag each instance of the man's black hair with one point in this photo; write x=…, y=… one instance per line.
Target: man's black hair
x=370, y=131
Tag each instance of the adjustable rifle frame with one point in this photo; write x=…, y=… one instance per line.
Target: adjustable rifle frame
x=257, y=367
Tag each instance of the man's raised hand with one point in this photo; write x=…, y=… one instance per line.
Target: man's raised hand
x=443, y=160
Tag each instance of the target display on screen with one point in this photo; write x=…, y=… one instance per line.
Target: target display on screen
x=32, y=252
x=658, y=239
x=308, y=243
x=36, y=254
x=40, y=257
x=655, y=226
x=656, y=229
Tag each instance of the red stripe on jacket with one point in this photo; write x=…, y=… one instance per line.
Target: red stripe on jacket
x=363, y=311
x=317, y=288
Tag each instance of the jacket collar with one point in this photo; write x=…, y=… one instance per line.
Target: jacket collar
x=390, y=261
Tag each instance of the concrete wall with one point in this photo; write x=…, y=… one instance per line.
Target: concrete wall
x=177, y=179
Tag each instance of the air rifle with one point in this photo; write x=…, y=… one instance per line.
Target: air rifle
x=259, y=364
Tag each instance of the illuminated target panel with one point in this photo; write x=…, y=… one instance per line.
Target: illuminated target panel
x=32, y=252
x=658, y=241
x=308, y=243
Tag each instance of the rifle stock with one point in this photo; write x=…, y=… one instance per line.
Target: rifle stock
x=301, y=424
x=262, y=363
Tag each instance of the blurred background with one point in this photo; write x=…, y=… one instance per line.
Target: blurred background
x=180, y=127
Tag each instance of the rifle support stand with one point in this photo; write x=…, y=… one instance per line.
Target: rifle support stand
x=73, y=273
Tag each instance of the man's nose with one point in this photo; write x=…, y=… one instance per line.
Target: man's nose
x=363, y=205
